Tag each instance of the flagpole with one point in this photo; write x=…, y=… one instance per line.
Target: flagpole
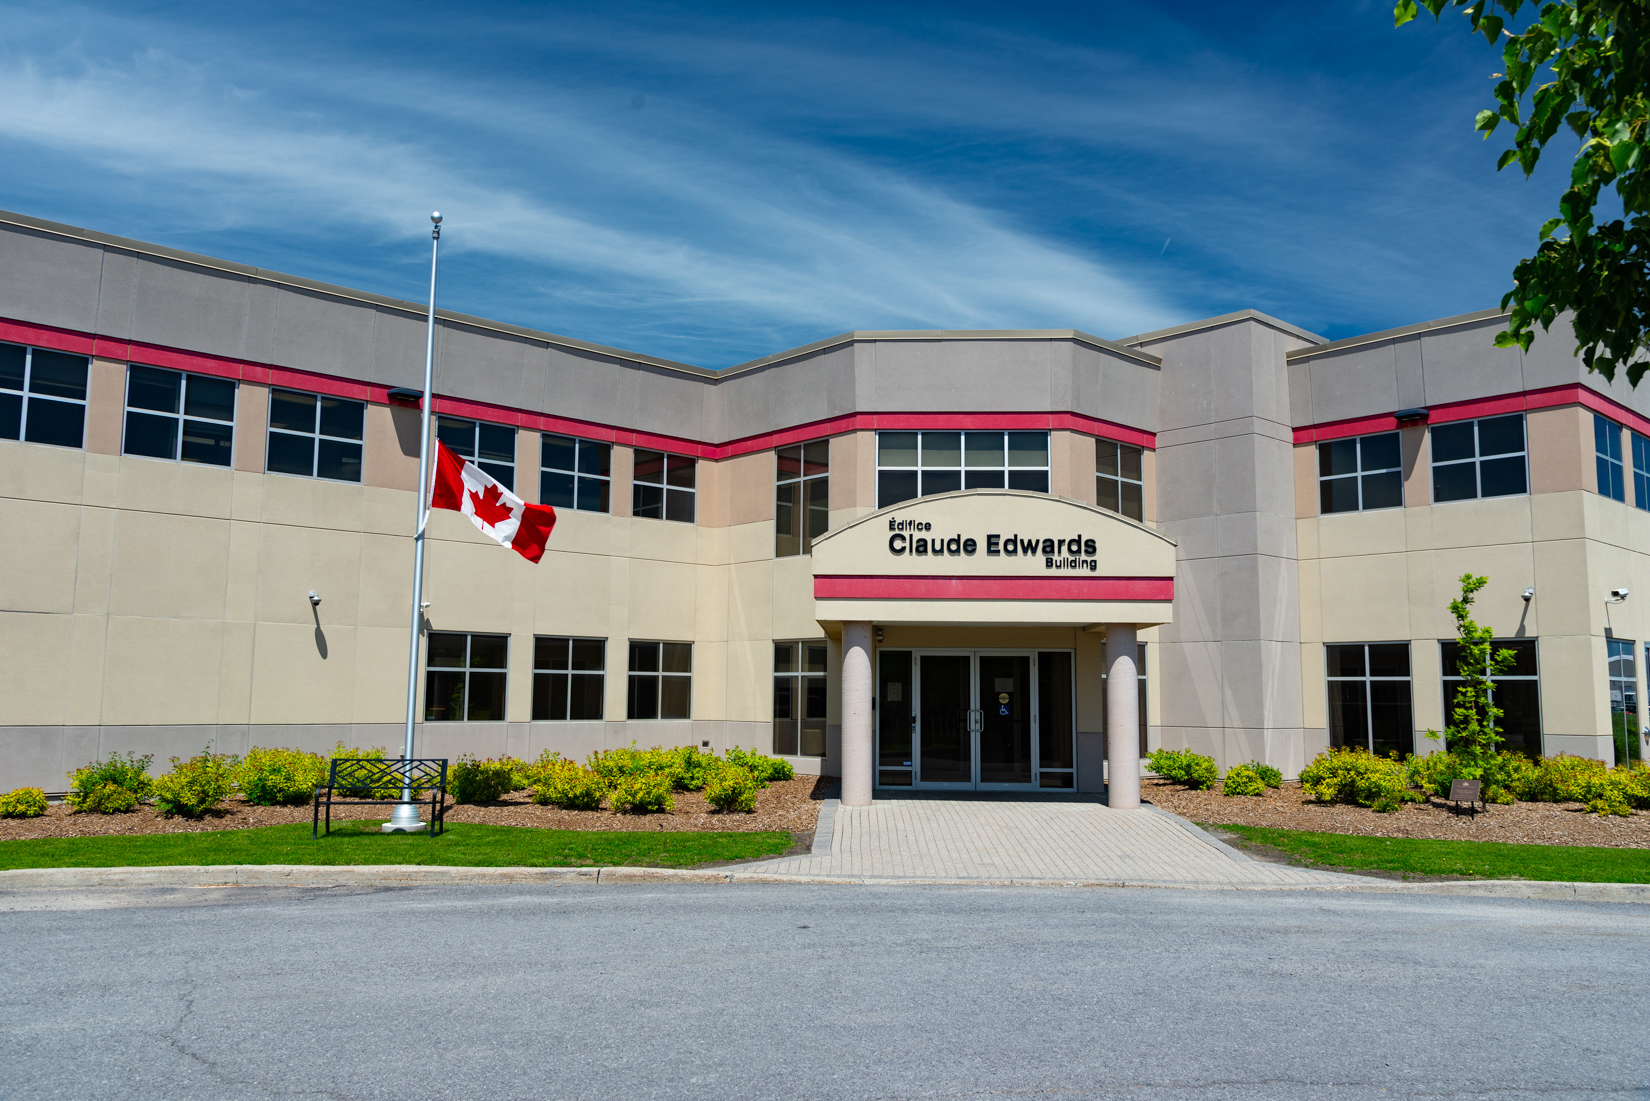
x=405, y=817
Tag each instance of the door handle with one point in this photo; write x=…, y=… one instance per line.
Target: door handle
x=976, y=721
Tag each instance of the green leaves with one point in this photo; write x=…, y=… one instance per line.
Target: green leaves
x=1487, y=121
x=1404, y=12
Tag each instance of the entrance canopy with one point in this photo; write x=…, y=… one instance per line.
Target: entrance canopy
x=993, y=556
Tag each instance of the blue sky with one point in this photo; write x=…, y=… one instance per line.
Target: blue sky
x=715, y=183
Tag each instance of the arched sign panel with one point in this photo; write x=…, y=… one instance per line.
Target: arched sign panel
x=994, y=556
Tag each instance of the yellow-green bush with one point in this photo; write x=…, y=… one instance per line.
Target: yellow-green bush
x=1243, y=780
x=564, y=784
x=643, y=794
x=195, y=786
x=1182, y=766
x=23, y=803
x=115, y=784
x=732, y=789
x=280, y=777
x=533, y=773
x=613, y=765
x=764, y=769
x=1357, y=776
x=473, y=781
x=1269, y=776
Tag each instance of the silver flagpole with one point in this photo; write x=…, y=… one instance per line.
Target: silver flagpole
x=405, y=817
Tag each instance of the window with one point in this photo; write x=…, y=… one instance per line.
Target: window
x=799, y=699
x=663, y=487
x=492, y=447
x=1607, y=450
x=568, y=678
x=1140, y=678
x=42, y=396
x=921, y=464
x=315, y=436
x=464, y=678
x=1056, y=742
x=574, y=473
x=1624, y=700
x=802, y=511
x=171, y=415
x=1369, y=697
x=1359, y=474
x=894, y=717
x=1517, y=693
x=661, y=680
x=1483, y=458
x=1117, y=479
x=1641, y=471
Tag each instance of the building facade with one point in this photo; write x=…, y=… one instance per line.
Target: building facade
x=907, y=558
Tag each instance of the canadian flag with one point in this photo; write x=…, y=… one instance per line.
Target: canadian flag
x=497, y=512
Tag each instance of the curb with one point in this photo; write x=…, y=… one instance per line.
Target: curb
x=422, y=875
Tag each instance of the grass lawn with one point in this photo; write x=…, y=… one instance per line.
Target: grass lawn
x=356, y=842
x=1478, y=859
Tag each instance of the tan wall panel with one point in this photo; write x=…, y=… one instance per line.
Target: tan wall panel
x=235, y=673
x=1574, y=686
x=163, y=486
x=624, y=469
x=39, y=473
x=1071, y=465
x=38, y=554
x=34, y=668
x=251, y=426
x=1148, y=481
x=1509, y=567
x=105, y=405
x=748, y=695
x=311, y=503
x=380, y=683
x=241, y=571
x=391, y=512
x=293, y=562
x=169, y=566
x=1311, y=601
x=83, y=705
x=1380, y=531
x=710, y=671
x=710, y=607
x=1561, y=450
x=854, y=470
x=163, y=672
x=528, y=456
x=100, y=481
x=1314, y=677
x=750, y=484
x=711, y=509
x=303, y=673
x=664, y=541
x=750, y=602
x=472, y=587
x=1306, y=480
x=384, y=589
x=750, y=543
x=1416, y=446
x=1470, y=524
x=663, y=600
x=389, y=447
x=1357, y=598
x=793, y=599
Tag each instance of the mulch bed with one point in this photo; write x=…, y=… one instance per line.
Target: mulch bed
x=1521, y=823
x=788, y=805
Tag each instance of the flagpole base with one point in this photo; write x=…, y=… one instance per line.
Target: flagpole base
x=404, y=820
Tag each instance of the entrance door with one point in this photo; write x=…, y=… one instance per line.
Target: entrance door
x=1005, y=718
x=945, y=743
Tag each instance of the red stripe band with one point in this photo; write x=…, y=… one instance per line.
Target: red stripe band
x=1550, y=397
x=1053, y=587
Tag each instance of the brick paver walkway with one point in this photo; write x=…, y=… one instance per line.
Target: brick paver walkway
x=1029, y=840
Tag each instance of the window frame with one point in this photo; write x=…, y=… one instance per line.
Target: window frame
x=657, y=675
x=1120, y=480
x=1607, y=455
x=316, y=437
x=27, y=396
x=1369, y=696
x=181, y=418
x=602, y=484
x=1641, y=471
x=1357, y=476
x=671, y=496
x=801, y=681
x=1624, y=732
x=963, y=468
x=468, y=670
x=544, y=678
x=1478, y=458
x=797, y=517
x=472, y=450
x=1450, y=677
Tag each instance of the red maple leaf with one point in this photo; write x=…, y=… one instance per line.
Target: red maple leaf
x=489, y=507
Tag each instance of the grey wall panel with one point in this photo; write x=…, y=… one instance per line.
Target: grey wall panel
x=962, y=376
x=666, y=402
x=1409, y=372
x=1124, y=390
x=491, y=367
x=182, y=306
x=116, y=289
x=587, y=386
x=1463, y=363
x=1356, y=382
x=801, y=391
x=49, y=280
x=322, y=333
x=397, y=349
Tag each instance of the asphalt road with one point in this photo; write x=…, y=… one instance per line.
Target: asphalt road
x=812, y=991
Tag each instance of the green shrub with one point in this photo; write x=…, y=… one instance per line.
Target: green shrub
x=376, y=753
x=613, y=765
x=128, y=776
x=1506, y=776
x=533, y=773
x=1243, y=780
x=1564, y=778
x=1269, y=776
x=764, y=769
x=732, y=789
x=195, y=786
x=569, y=787
x=1357, y=776
x=1182, y=766
x=473, y=781
x=280, y=777
x=643, y=794
x=23, y=803
x=692, y=768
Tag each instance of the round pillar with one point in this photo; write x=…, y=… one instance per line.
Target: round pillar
x=858, y=742
x=1122, y=717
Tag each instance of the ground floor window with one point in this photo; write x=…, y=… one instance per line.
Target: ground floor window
x=1140, y=667
x=1517, y=693
x=568, y=678
x=1370, y=703
x=1056, y=743
x=896, y=722
x=1624, y=699
x=661, y=680
x=799, y=699
x=464, y=677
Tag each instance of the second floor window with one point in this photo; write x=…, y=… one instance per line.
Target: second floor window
x=42, y=396
x=1612, y=480
x=664, y=487
x=1482, y=458
x=1641, y=471
x=921, y=464
x=171, y=415
x=574, y=473
x=802, y=508
x=464, y=677
x=492, y=447
x=315, y=436
x=661, y=680
x=1361, y=473
x=1118, y=482
x=568, y=678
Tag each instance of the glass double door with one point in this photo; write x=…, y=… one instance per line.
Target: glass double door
x=974, y=719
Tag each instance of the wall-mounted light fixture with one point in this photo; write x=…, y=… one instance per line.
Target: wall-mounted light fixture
x=1528, y=594
x=405, y=394
x=879, y=634
x=314, y=599
x=1407, y=417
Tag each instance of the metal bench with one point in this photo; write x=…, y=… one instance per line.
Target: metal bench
x=373, y=781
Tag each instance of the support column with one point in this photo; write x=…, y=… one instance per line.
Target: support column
x=857, y=736
x=1122, y=717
